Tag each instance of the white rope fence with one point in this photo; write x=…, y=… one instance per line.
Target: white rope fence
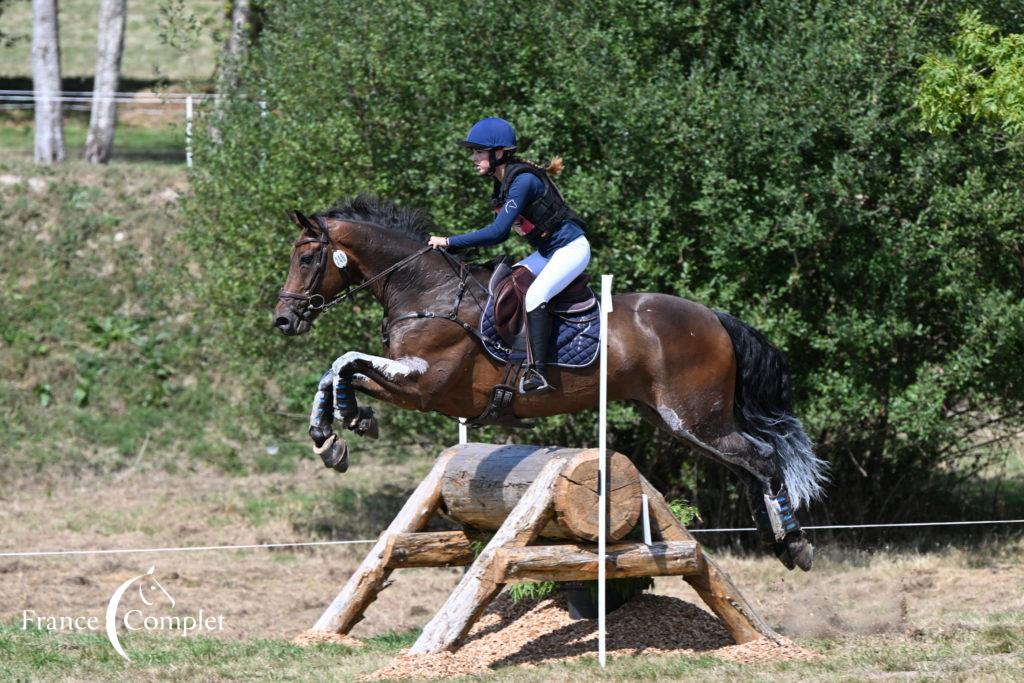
x=28, y=97
x=138, y=102
x=308, y=544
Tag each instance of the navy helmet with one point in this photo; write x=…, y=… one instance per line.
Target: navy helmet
x=490, y=133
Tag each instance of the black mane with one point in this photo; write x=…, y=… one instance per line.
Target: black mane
x=410, y=221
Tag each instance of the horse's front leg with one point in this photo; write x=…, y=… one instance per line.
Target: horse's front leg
x=331, y=448
x=384, y=378
x=388, y=379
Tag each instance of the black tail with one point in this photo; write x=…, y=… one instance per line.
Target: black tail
x=763, y=405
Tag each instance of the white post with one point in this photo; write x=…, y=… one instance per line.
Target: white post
x=188, y=131
x=647, y=518
x=602, y=480
x=463, y=432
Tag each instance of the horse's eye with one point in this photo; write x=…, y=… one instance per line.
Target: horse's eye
x=306, y=260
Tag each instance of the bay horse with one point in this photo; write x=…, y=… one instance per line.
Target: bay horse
x=706, y=378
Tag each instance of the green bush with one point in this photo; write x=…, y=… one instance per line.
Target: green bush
x=765, y=159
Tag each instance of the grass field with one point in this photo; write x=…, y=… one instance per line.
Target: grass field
x=160, y=139
x=952, y=614
x=124, y=428
x=181, y=45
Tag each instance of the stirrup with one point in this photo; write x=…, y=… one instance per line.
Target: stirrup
x=539, y=383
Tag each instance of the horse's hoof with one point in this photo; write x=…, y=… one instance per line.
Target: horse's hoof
x=802, y=553
x=334, y=453
x=795, y=551
x=365, y=424
x=782, y=552
x=320, y=435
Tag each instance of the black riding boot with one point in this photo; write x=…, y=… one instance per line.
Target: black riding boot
x=538, y=325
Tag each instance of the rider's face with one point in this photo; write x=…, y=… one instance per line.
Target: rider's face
x=482, y=159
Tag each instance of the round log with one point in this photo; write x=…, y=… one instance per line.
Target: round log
x=483, y=482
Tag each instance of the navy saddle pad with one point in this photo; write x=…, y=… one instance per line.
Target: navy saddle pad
x=575, y=338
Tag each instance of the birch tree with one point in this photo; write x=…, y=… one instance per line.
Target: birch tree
x=110, y=46
x=236, y=43
x=46, y=82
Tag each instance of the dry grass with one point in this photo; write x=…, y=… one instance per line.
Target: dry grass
x=869, y=614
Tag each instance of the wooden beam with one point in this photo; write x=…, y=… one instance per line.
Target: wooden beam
x=469, y=599
x=712, y=583
x=346, y=610
x=429, y=549
x=483, y=482
x=579, y=563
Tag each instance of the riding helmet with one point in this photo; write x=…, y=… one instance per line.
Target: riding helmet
x=490, y=133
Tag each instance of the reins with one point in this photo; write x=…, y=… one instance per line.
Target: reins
x=316, y=301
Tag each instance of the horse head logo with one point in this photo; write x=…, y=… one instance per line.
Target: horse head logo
x=150, y=592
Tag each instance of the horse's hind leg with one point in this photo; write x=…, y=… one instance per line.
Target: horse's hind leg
x=761, y=475
x=770, y=504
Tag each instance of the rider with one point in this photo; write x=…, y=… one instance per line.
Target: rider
x=525, y=199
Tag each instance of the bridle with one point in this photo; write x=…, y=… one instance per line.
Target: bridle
x=313, y=299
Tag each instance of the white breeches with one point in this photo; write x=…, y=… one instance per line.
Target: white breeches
x=554, y=274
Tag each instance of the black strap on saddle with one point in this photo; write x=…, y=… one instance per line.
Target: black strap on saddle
x=499, y=403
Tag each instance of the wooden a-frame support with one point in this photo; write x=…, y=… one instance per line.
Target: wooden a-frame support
x=509, y=557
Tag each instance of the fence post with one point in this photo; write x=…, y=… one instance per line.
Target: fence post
x=602, y=479
x=188, y=131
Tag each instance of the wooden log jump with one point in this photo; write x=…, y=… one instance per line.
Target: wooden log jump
x=523, y=493
x=482, y=483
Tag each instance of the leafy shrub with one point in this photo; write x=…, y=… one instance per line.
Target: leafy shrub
x=764, y=159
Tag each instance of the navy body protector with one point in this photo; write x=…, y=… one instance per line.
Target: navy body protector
x=546, y=213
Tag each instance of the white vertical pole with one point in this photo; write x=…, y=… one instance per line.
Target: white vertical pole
x=602, y=479
x=463, y=432
x=188, y=131
x=647, y=518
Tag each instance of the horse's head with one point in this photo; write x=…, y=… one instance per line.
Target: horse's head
x=316, y=274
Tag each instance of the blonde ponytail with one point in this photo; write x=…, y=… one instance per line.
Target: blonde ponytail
x=554, y=167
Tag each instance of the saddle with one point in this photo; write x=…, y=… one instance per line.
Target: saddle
x=508, y=287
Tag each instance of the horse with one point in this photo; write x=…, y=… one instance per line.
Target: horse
x=708, y=379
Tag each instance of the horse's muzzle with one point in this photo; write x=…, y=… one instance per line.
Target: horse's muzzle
x=291, y=324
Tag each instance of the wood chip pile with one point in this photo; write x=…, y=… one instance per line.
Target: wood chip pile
x=533, y=634
x=317, y=637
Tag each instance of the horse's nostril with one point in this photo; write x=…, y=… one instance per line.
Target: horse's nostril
x=282, y=323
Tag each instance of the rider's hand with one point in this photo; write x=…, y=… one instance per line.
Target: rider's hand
x=438, y=242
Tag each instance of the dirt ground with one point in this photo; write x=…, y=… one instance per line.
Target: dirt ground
x=280, y=593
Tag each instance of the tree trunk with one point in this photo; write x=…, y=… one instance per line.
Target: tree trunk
x=110, y=45
x=237, y=36
x=46, y=82
x=236, y=43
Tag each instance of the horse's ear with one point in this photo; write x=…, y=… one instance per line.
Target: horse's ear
x=303, y=222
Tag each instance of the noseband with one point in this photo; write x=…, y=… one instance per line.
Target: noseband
x=314, y=301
